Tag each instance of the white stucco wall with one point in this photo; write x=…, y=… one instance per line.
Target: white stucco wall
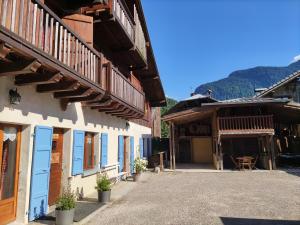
x=42, y=109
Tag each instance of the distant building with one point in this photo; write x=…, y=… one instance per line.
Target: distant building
x=266, y=128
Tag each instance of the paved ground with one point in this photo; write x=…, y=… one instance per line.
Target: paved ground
x=237, y=198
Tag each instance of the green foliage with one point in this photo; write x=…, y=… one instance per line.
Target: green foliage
x=242, y=83
x=103, y=183
x=164, y=125
x=140, y=165
x=66, y=201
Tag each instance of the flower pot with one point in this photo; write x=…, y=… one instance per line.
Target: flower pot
x=104, y=196
x=64, y=217
x=136, y=177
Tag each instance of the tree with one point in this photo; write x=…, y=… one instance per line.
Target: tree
x=164, y=126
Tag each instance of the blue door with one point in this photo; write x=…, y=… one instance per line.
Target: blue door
x=141, y=147
x=121, y=153
x=104, y=140
x=78, y=152
x=40, y=172
x=132, y=155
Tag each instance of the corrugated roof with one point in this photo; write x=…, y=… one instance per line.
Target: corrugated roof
x=278, y=84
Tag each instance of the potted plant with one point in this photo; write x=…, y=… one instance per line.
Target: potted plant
x=140, y=165
x=104, y=189
x=65, y=208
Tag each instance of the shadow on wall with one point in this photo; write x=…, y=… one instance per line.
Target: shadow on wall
x=45, y=105
x=249, y=221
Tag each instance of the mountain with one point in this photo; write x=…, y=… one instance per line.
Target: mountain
x=242, y=83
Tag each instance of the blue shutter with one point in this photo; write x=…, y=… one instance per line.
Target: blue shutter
x=78, y=152
x=40, y=172
x=121, y=153
x=141, y=147
x=131, y=155
x=104, y=141
x=145, y=152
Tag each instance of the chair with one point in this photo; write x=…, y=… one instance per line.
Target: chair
x=254, y=162
x=237, y=166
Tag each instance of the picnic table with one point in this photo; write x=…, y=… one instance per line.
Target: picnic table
x=245, y=161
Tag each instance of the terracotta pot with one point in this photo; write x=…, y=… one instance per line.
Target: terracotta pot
x=136, y=177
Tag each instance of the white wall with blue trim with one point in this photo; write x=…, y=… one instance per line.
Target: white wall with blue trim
x=43, y=110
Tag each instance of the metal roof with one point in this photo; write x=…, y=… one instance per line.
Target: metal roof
x=278, y=84
x=239, y=101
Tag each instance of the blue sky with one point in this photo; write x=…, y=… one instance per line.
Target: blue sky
x=198, y=41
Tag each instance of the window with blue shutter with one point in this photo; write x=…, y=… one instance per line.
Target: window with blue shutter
x=131, y=155
x=104, y=142
x=40, y=173
x=78, y=152
x=141, y=147
x=121, y=153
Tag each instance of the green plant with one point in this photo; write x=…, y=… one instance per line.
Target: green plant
x=67, y=200
x=103, y=183
x=140, y=165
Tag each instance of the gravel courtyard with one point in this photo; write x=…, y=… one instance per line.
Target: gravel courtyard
x=232, y=198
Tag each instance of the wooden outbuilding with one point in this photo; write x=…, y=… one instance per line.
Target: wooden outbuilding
x=245, y=133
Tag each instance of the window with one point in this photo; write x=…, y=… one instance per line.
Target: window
x=89, y=153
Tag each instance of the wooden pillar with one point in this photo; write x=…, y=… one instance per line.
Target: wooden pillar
x=221, y=155
x=272, y=151
x=268, y=143
x=170, y=146
x=173, y=146
x=217, y=154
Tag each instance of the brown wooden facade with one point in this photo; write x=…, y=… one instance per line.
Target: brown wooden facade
x=265, y=127
x=72, y=57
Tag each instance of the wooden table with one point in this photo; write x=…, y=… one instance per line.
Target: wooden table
x=245, y=161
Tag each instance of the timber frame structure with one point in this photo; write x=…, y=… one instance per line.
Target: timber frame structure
x=266, y=126
x=65, y=52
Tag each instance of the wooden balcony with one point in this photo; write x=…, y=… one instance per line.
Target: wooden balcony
x=38, y=48
x=246, y=125
x=122, y=32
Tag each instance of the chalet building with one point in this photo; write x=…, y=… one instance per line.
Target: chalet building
x=79, y=87
x=259, y=132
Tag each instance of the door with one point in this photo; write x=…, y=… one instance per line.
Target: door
x=126, y=155
x=56, y=166
x=184, y=151
x=40, y=172
x=9, y=167
x=202, y=150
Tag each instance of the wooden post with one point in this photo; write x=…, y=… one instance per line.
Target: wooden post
x=217, y=155
x=272, y=151
x=173, y=146
x=269, y=153
x=170, y=146
x=221, y=155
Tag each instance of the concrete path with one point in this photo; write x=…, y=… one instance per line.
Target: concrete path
x=237, y=198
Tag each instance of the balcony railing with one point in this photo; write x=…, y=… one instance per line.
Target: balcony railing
x=123, y=89
x=140, y=40
x=246, y=124
x=124, y=18
x=38, y=25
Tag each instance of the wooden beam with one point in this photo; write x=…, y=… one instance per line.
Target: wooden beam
x=30, y=79
x=119, y=109
x=92, y=97
x=123, y=111
x=5, y=49
x=19, y=68
x=61, y=86
x=81, y=92
x=95, y=105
